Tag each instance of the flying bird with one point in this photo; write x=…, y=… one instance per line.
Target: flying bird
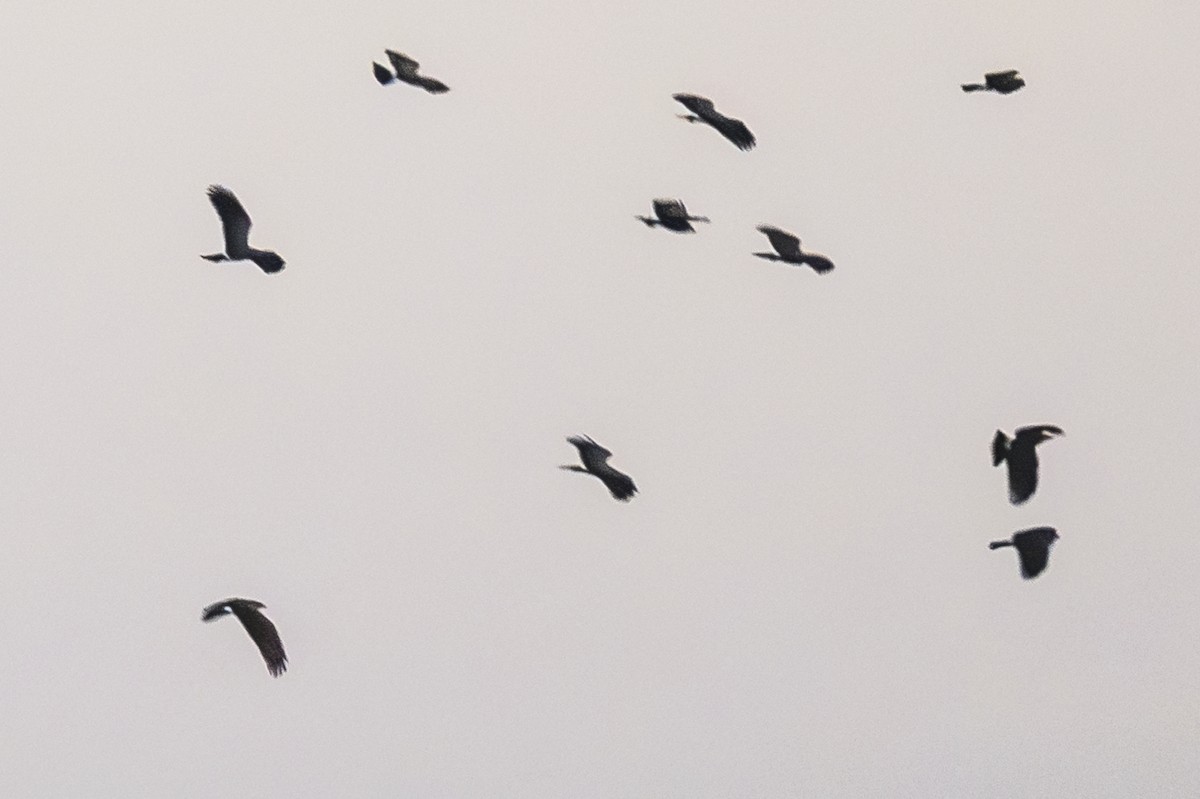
x=406, y=72
x=1022, y=458
x=673, y=216
x=261, y=630
x=788, y=248
x=236, y=224
x=595, y=462
x=1033, y=548
x=703, y=111
x=1001, y=82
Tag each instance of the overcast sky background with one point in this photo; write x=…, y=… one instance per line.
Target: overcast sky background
x=800, y=601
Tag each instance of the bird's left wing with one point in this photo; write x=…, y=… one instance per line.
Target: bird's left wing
x=265, y=637
x=234, y=219
x=403, y=65
x=784, y=243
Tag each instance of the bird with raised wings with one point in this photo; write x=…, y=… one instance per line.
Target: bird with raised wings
x=262, y=631
x=1021, y=454
x=235, y=223
x=672, y=215
x=703, y=111
x=1005, y=82
x=787, y=250
x=1033, y=549
x=595, y=462
x=406, y=72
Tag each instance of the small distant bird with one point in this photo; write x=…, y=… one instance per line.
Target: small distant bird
x=1002, y=82
x=236, y=224
x=703, y=111
x=788, y=247
x=595, y=462
x=261, y=630
x=406, y=72
x=673, y=216
x=1033, y=548
x=1022, y=458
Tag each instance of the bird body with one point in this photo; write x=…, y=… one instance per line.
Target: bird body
x=595, y=462
x=1005, y=82
x=1033, y=549
x=672, y=215
x=406, y=72
x=260, y=628
x=1021, y=454
x=704, y=111
x=788, y=248
x=235, y=223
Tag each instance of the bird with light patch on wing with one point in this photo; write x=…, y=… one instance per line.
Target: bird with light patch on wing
x=672, y=215
x=235, y=223
x=595, y=462
x=262, y=631
x=1033, y=549
x=406, y=72
x=788, y=248
x=705, y=112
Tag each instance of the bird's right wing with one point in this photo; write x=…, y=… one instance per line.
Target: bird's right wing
x=234, y=219
x=669, y=209
x=592, y=454
x=381, y=74
x=619, y=484
x=265, y=637
x=432, y=85
x=403, y=65
x=784, y=243
x=700, y=106
x=1034, y=554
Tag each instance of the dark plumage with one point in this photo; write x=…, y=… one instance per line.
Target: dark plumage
x=406, y=72
x=1022, y=458
x=1033, y=548
x=595, y=462
x=672, y=215
x=260, y=628
x=788, y=248
x=703, y=111
x=1000, y=82
x=236, y=224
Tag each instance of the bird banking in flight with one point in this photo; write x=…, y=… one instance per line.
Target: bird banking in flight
x=999, y=82
x=788, y=248
x=1021, y=454
x=672, y=215
x=703, y=111
x=595, y=462
x=236, y=224
x=1033, y=549
x=262, y=631
x=406, y=72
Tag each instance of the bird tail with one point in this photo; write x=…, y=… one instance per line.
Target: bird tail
x=218, y=257
x=999, y=448
x=973, y=87
x=998, y=544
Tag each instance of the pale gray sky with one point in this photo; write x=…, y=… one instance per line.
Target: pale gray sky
x=799, y=603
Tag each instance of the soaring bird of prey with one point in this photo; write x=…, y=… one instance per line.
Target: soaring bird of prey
x=673, y=216
x=1033, y=548
x=261, y=630
x=406, y=72
x=595, y=462
x=1022, y=458
x=1001, y=82
x=236, y=224
x=703, y=111
x=788, y=248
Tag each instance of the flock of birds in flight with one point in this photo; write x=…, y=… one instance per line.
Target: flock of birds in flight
x=1019, y=452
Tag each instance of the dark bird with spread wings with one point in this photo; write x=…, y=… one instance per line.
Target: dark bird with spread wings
x=788, y=248
x=1033, y=549
x=672, y=215
x=406, y=72
x=1021, y=453
x=703, y=111
x=595, y=462
x=236, y=224
x=261, y=630
x=1001, y=82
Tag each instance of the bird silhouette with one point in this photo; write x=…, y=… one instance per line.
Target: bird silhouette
x=595, y=462
x=235, y=223
x=672, y=215
x=1021, y=454
x=703, y=111
x=262, y=631
x=1000, y=82
x=406, y=72
x=788, y=248
x=1033, y=549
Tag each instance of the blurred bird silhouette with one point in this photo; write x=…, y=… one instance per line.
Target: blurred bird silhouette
x=1001, y=82
x=673, y=216
x=406, y=72
x=235, y=223
x=788, y=248
x=1021, y=454
x=262, y=631
x=1033, y=549
x=595, y=462
x=703, y=111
